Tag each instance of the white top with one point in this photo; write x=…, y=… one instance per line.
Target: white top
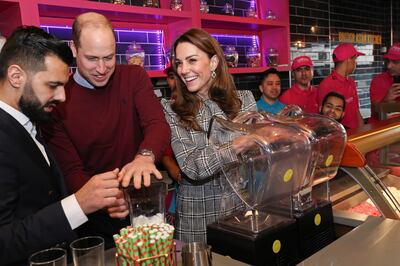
x=70, y=205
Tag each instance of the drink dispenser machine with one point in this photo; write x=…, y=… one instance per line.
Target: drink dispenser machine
x=264, y=178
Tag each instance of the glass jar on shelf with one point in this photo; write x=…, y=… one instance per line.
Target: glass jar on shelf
x=231, y=56
x=176, y=5
x=253, y=57
x=270, y=15
x=118, y=2
x=228, y=10
x=204, y=8
x=251, y=12
x=135, y=54
x=272, y=57
x=151, y=3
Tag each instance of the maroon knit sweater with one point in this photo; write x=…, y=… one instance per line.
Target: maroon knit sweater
x=99, y=130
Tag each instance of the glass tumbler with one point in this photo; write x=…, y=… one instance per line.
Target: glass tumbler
x=49, y=257
x=88, y=251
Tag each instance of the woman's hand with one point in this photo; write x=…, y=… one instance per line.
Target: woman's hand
x=243, y=143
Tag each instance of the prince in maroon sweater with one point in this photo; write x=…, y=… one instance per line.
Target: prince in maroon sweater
x=100, y=129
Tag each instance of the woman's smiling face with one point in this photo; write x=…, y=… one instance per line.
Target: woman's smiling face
x=194, y=67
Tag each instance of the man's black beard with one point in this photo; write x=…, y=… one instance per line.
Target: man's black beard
x=32, y=108
x=34, y=111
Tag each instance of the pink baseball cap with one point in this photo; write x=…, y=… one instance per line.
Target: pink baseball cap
x=394, y=52
x=301, y=61
x=344, y=51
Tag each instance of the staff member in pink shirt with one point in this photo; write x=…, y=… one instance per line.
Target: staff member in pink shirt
x=302, y=93
x=385, y=87
x=344, y=56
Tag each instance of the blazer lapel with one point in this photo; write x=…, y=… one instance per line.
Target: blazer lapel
x=27, y=144
x=56, y=171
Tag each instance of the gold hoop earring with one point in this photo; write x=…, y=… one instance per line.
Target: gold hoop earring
x=213, y=74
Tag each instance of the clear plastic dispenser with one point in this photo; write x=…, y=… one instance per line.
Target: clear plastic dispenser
x=328, y=139
x=265, y=176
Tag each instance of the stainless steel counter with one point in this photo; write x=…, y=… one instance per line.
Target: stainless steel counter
x=375, y=242
x=218, y=260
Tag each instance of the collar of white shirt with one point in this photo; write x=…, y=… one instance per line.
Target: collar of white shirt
x=26, y=123
x=19, y=116
x=82, y=81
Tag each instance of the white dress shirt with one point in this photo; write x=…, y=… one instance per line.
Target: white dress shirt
x=70, y=205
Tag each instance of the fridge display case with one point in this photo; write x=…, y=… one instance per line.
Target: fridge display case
x=366, y=185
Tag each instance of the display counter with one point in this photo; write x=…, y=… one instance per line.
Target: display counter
x=367, y=183
x=375, y=242
x=218, y=260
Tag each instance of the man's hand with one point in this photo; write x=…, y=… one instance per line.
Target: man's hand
x=140, y=168
x=101, y=191
x=120, y=209
x=393, y=93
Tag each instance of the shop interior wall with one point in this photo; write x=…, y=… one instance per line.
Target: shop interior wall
x=314, y=28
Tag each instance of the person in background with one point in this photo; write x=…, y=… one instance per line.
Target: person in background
x=302, y=93
x=171, y=80
x=204, y=89
x=270, y=88
x=35, y=213
x=344, y=56
x=168, y=160
x=333, y=106
x=112, y=119
x=385, y=87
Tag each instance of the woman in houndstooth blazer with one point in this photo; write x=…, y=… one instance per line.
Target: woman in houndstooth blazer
x=204, y=89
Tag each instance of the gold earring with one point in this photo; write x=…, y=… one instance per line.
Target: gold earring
x=213, y=74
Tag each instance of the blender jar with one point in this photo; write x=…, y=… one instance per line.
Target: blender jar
x=147, y=204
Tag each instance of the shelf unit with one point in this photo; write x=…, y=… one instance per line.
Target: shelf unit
x=61, y=13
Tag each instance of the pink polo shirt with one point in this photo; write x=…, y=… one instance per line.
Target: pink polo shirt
x=307, y=100
x=346, y=87
x=378, y=89
x=380, y=86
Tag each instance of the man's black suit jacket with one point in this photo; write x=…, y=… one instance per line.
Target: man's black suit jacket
x=31, y=215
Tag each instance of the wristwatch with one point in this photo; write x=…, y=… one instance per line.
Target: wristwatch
x=147, y=152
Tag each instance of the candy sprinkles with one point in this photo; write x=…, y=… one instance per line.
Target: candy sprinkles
x=149, y=244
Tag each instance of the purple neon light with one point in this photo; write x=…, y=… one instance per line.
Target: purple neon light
x=159, y=42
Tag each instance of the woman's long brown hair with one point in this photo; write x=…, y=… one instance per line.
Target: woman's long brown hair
x=222, y=90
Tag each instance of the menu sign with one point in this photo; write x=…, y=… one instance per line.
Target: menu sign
x=360, y=38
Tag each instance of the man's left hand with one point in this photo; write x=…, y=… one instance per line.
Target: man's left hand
x=140, y=169
x=120, y=209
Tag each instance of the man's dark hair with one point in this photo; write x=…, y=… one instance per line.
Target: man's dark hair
x=334, y=94
x=268, y=72
x=28, y=47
